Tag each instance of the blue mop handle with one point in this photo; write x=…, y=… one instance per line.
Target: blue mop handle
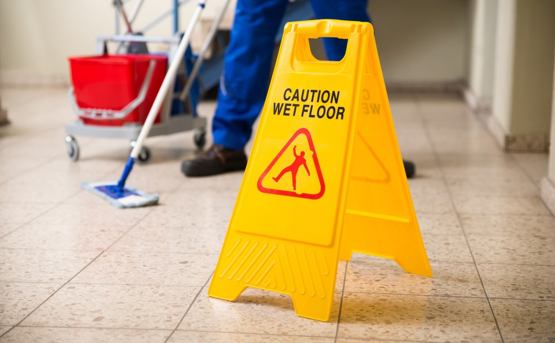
x=167, y=83
x=161, y=95
x=126, y=171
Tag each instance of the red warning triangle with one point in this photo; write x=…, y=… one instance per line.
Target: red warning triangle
x=295, y=171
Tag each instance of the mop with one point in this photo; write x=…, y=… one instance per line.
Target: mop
x=116, y=192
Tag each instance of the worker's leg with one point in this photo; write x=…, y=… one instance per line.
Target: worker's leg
x=339, y=9
x=246, y=70
x=242, y=86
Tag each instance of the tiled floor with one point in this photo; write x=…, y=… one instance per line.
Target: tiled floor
x=74, y=269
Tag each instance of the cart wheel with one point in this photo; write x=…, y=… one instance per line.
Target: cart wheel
x=72, y=148
x=200, y=138
x=144, y=155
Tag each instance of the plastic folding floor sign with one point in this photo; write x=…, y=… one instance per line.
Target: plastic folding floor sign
x=325, y=177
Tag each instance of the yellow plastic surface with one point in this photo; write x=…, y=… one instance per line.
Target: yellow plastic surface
x=325, y=176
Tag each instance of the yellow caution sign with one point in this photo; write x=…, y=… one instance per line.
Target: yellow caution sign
x=325, y=177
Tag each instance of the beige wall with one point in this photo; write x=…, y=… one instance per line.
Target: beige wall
x=421, y=42
x=551, y=168
x=482, y=54
x=37, y=36
x=523, y=74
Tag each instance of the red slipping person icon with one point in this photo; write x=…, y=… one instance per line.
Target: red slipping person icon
x=293, y=168
x=309, y=185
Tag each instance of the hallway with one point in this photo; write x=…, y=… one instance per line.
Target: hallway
x=73, y=268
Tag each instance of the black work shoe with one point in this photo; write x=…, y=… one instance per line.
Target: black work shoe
x=214, y=161
x=410, y=168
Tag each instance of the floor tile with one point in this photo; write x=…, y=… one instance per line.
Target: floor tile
x=371, y=275
x=439, y=224
x=418, y=318
x=523, y=321
x=430, y=196
x=534, y=164
x=52, y=182
x=443, y=105
x=140, y=268
x=210, y=207
x=462, y=142
x=483, y=204
x=81, y=335
x=19, y=213
x=156, y=177
x=413, y=141
x=518, y=281
x=250, y=314
x=480, y=184
x=4, y=328
x=507, y=249
x=429, y=203
x=34, y=189
x=517, y=226
x=195, y=238
x=114, y=306
x=427, y=166
x=18, y=299
x=63, y=237
x=225, y=337
x=32, y=265
x=458, y=166
x=156, y=259
x=427, y=186
x=17, y=166
x=447, y=248
x=366, y=340
x=104, y=215
x=7, y=228
x=196, y=186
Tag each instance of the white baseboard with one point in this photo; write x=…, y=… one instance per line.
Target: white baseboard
x=548, y=193
x=496, y=129
x=476, y=103
x=511, y=142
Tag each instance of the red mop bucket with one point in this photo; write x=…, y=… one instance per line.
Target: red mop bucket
x=113, y=90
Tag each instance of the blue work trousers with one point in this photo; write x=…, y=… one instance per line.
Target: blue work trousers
x=248, y=59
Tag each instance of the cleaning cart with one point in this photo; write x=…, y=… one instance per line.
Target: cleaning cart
x=111, y=93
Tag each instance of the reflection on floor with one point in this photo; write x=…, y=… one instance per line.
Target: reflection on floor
x=72, y=268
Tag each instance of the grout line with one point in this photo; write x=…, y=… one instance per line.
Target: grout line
x=26, y=171
x=91, y=328
x=51, y=295
x=517, y=264
x=341, y=302
x=54, y=205
x=257, y=333
x=308, y=336
x=483, y=125
x=523, y=299
x=420, y=295
x=188, y=308
x=121, y=252
x=448, y=188
x=169, y=330
x=18, y=226
x=70, y=279
x=531, y=179
x=510, y=154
